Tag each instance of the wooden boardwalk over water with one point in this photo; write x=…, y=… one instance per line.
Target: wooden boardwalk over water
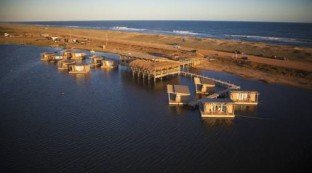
x=228, y=85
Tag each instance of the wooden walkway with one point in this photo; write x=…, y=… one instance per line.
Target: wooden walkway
x=218, y=82
x=217, y=94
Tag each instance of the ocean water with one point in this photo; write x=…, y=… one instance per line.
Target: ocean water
x=108, y=121
x=295, y=34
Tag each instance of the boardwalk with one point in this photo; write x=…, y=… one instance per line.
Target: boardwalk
x=218, y=82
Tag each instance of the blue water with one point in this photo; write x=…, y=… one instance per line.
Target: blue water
x=108, y=121
x=296, y=34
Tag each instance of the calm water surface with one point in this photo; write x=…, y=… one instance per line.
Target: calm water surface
x=109, y=122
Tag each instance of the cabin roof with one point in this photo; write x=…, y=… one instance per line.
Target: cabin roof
x=181, y=89
x=198, y=80
x=97, y=57
x=143, y=56
x=68, y=61
x=178, y=89
x=218, y=100
x=170, y=89
x=152, y=65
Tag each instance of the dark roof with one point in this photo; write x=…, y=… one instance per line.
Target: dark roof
x=181, y=89
x=218, y=100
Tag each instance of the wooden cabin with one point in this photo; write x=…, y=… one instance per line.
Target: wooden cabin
x=109, y=64
x=67, y=55
x=58, y=58
x=73, y=55
x=244, y=97
x=78, y=56
x=217, y=108
x=65, y=64
x=155, y=69
x=47, y=56
x=178, y=94
x=79, y=68
x=202, y=86
x=96, y=61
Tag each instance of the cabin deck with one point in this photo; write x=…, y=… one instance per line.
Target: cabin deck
x=216, y=115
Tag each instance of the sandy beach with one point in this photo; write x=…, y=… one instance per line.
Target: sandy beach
x=274, y=64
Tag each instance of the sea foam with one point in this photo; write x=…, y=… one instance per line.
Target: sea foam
x=181, y=32
x=123, y=28
x=264, y=38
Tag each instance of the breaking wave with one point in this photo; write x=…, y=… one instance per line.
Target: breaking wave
x=123, y=28
x=181, y=32
x=263, y=38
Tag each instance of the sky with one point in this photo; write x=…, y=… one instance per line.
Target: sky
x=216, y=10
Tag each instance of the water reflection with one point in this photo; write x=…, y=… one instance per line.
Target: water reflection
x=80, y=77
x=246, y=110
x=212, y=122
x=176, y=110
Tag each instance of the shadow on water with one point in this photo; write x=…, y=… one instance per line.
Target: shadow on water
x=217, y=122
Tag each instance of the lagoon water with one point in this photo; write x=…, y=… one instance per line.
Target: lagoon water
x=107, y=121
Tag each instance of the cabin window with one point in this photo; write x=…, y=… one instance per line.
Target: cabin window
x=219, y=108
x=242, y=96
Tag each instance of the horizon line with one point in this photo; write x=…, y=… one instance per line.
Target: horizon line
x=199, y=20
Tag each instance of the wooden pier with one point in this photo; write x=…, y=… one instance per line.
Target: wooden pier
x=127, y=57
x=218, y=82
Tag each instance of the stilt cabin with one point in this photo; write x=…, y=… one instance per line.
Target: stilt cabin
x=109, y=64
x=67, y=55
x=217, y=108
x=64, y=64
x=79, y=68
x=74, y=55
x=154, y=69
x=96, y=61
x=58, y=58
x=78, y=56
x=244, y=97
x=47, y=56
x=178, y=94
x=202, y=86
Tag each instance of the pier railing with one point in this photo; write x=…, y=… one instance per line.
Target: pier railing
x=217, y=81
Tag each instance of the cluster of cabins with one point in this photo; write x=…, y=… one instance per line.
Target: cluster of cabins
x=210, y=105
x=74, y=62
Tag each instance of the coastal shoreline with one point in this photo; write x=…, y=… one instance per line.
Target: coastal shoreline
x=293, y=69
